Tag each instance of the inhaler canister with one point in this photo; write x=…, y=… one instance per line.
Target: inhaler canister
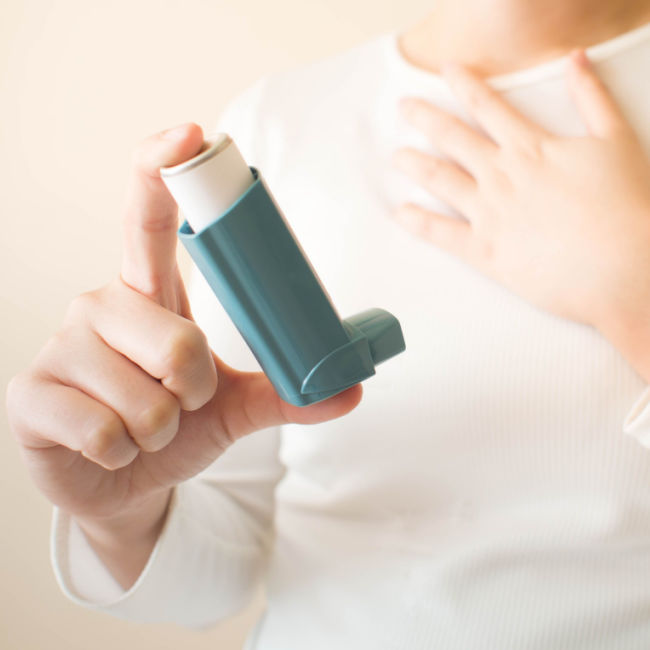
x=208, y=184
x=243, y=245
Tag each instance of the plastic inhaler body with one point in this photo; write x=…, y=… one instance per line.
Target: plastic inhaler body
x=242, y=244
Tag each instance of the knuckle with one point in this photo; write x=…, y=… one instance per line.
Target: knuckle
x=18, y=390
x=81, y=306
x=104, y=437
x=439, y=174
x=158, y=418
x=110, y=292
x=23, y=391
x=15, y=388
x=432, y=175
x=56, y=353
x=496, y=177
x=141, y=156
x=184, y=349
x=531, y=149
x=58, y=341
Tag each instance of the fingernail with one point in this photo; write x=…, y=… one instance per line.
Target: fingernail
x=580, y=57
x=176, y=133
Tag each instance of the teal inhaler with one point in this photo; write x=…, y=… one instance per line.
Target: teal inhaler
x=241, y=242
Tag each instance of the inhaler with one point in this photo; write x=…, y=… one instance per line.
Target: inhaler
x=241, y=242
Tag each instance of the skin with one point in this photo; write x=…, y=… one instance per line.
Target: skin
x=506, y=35
x=563, y=222
x=126, y=400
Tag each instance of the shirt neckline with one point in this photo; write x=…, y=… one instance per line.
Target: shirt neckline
x=596, y=53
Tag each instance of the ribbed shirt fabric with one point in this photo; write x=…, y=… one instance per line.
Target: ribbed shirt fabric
x=492, y=490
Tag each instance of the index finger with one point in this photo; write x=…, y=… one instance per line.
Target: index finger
x=151, y=216
x=503, y=123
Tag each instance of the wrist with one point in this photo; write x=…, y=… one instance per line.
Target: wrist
x=129, y=524
x=124, y=541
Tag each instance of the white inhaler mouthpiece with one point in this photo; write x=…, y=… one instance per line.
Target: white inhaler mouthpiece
x=209, y=183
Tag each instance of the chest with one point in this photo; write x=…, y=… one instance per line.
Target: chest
x=489, y=386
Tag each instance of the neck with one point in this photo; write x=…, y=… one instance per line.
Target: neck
x=499, y=36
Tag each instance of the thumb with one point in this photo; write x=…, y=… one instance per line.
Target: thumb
x=151, y=217
x=247, y=402
x=600, y=113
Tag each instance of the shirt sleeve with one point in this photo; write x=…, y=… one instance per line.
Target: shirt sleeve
x=637, y=422
x=210, y=555
x=213, y=549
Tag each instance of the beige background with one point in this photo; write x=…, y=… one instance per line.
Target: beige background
x=81, y=81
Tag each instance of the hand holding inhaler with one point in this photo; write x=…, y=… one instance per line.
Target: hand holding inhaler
x=127, y=400
x=242, y=244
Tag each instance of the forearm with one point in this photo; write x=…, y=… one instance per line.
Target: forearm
x=124, y=542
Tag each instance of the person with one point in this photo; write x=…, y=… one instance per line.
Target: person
x=483, y=493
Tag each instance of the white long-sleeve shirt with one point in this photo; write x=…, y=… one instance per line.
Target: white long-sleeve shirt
x=492, y=490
